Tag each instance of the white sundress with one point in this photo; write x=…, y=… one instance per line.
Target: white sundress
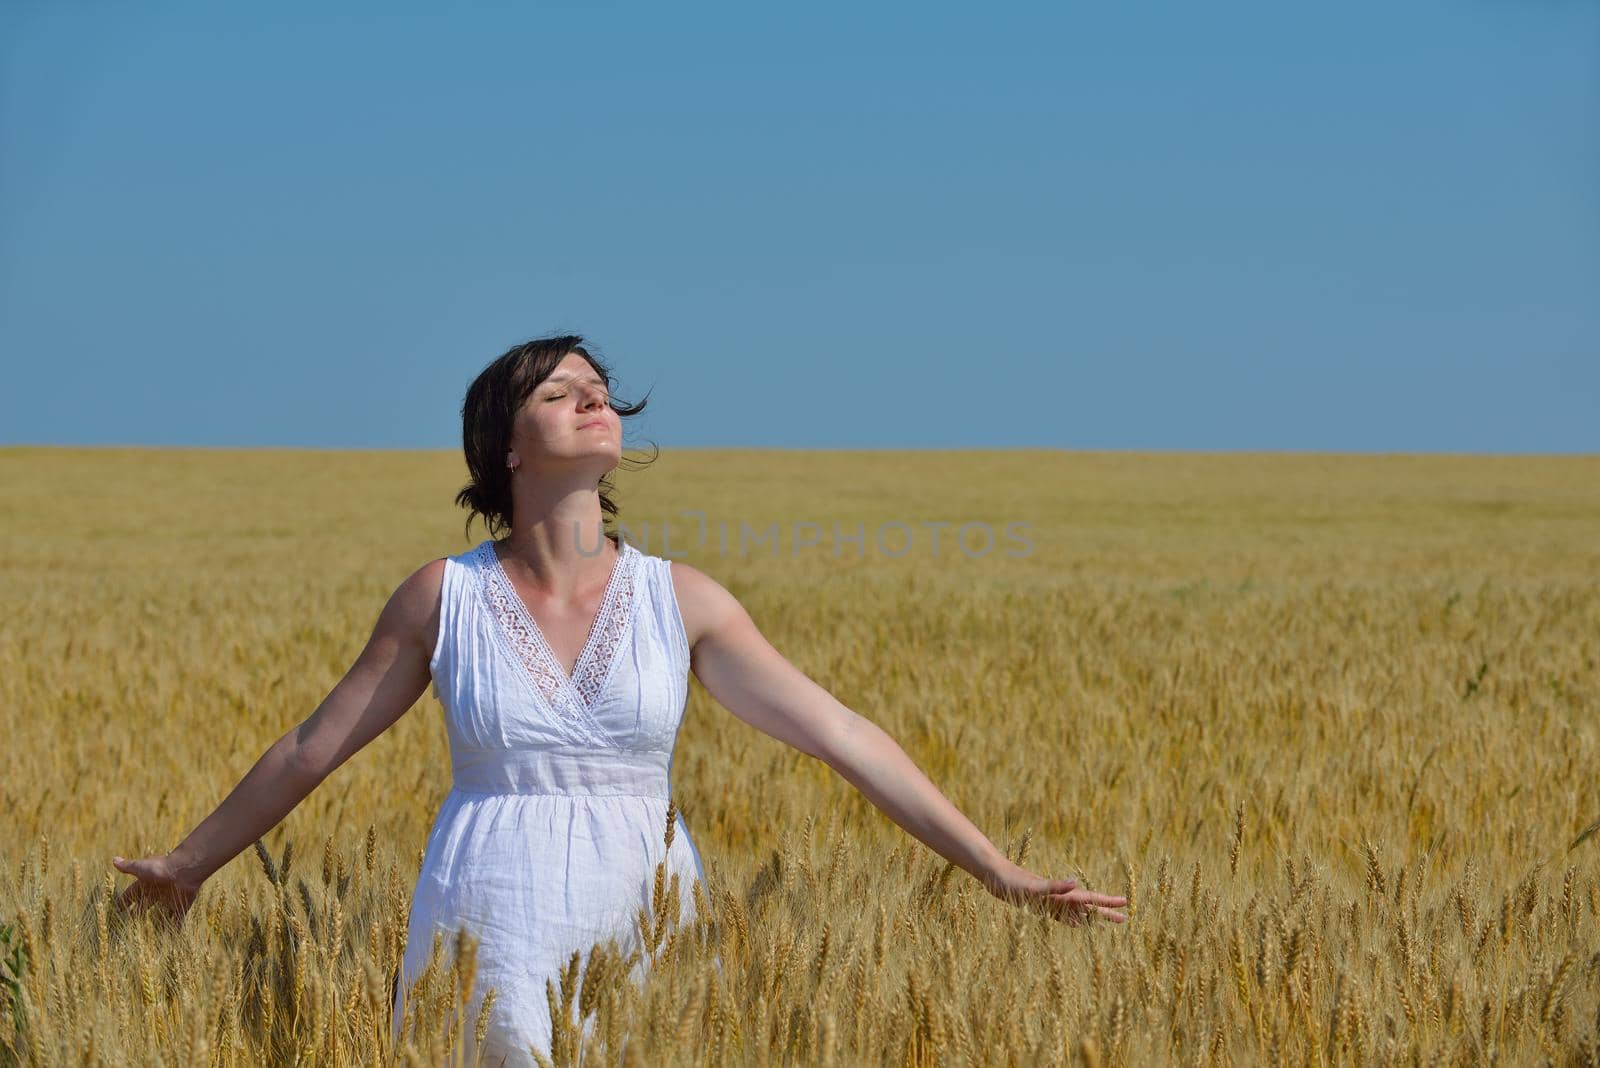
x=550, y=835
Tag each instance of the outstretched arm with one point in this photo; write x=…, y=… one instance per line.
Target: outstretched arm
x=385, y=681
x=746, y=675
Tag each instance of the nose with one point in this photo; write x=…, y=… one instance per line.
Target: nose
x=592, y=398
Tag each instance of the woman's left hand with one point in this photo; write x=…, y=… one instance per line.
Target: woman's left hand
x=1060, y=899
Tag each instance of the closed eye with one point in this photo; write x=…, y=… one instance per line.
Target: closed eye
x=605, y=395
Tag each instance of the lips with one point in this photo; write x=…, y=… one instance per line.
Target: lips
x=593, y=422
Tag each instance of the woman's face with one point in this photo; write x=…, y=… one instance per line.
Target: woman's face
x=569, y=417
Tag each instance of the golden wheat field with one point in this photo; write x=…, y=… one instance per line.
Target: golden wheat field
x=1331, y=722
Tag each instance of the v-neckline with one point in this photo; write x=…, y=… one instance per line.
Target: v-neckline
x=596, y=625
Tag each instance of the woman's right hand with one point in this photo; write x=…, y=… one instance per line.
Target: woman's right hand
x=157, y=882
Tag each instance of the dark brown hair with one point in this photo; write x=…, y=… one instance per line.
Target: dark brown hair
x=490, y=409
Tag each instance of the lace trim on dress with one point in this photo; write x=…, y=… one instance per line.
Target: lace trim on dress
x=595, y=664
x=579, y=694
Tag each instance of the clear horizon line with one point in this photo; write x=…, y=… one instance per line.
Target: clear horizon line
x=1078, y=449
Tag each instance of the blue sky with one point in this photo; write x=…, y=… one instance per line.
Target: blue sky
x=1350, y=227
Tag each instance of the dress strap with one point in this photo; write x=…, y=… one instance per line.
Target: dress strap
x=444, y=643
x=669, y=614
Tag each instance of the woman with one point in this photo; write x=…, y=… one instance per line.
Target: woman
x=561, y=658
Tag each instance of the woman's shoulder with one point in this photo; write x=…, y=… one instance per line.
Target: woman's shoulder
x=427, y=582
x=412, y=613
x=421, y=590
x=703, y=602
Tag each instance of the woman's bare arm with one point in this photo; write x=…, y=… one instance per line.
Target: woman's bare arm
x=382, y=684
x=741, y=669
